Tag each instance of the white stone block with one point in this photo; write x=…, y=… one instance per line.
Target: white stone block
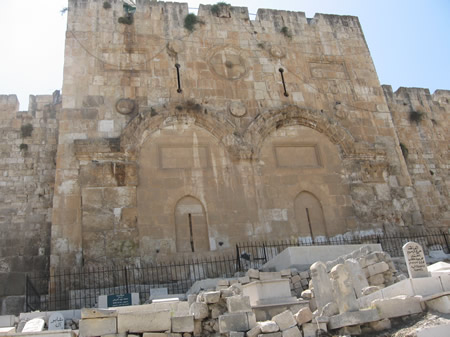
x=309, y=329
x=106, y=125
x=7, y=330
x=353, y=318
x=445, y=281
x=285, y=320
x=98, y=326
x=238, y=304
x=244, y=280
x=426, y=286
x=292, y=332
x=268, y=326
x=199, y=310
x=255, y=331
x=144, y=321
x=183, y=323
x=267, y=276
x=400, y=288
x=56, y=321
x=236, y=322
x=97, y=313
x=7, y=321
x=397, y=306
x=34, y=325
x=435, y=331
x=304, y=315
x=441, y=304
x=211, y=297
x=253, y=273
x=267, y=292
x=377, y=268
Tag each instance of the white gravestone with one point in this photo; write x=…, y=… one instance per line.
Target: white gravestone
x=56, y=321
x=415, y=260
x=34, y=325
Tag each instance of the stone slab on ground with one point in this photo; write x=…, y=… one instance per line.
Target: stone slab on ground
x=183, y=323
x=285, y=320
x=237, y=322
x=98, y=326
x=238, y=304
x=144, y=321
x=397, y=306
x=441, y=304
x=97, y=313
x=353, y=318
x=273, y=334
x=59, y=333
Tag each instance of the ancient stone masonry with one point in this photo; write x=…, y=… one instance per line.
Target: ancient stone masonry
x=174, y=141
x=27, y=177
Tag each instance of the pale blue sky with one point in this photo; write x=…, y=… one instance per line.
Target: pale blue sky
x=409, y=40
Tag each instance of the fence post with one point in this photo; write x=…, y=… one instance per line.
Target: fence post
x=238, y=258
x=126, y=279
x=265, y=255
x=26, y=292
x=446, y=241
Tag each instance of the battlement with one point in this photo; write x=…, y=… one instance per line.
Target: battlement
x=407, y=95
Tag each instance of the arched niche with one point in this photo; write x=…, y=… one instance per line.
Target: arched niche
x=309, y=215
x=191, y=227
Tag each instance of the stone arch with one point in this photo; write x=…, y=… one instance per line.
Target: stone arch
x=215, y=122
x=191, y=227
x=268, y=121
x=309, y=215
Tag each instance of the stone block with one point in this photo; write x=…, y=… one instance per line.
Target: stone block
x=268, y=276
x=377, y=268
x=211, y=297
x=236, y=322
x=191, y=299
x=376, y=280
x=98, y=326
x=255, y=331
x=304, y=315
x=238, y=304
x=309, y=329
x=97, y=313
x=292, y=332
x=268, y=326
x=353, y=318
x=285, y=273
x=152, y=334
x=7, y=321
x=197, y=327
x=441, y=304
x=426, y=286
x=236, y=334
x=273, y=334
x=285, y=320
x=307, y=294
x=253, y=273
x=199, y=310
x=34, y=325
x=381, y=325
x=354, y=330
x=397, y=306
x=268, y=292
x=435, y=331
x=295, y=279
x=183, y=323
x=143, y=321
x=225, y=283
x=244, y=280
x=7, y=330
x=59, y=333
x=304, y=274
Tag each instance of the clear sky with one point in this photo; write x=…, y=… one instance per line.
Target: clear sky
x=409, y=40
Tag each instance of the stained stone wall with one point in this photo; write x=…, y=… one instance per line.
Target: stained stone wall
x=147, y=169
x=27, y=176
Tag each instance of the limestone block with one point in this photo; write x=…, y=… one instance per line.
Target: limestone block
x=199, y=310
x=142, y=321
x=253, y=273
x=304, y=274
x=237, y=322
x=211, y=296
x=285, y=272
x=353, y=318
x=323, y=290
x=397, y=306
x=268, y=326
x=183, y=323
x=376, y=280
x=377, y=268
x=426, y=286
x=197, y=327
x=309, y=329
x=330, y=309
x=307, y=294
x=292, y=332
x=255, y=331
x=191, y=299
x=369, y=290
x=238, y=304
x=295, y=279
x=34, y=325
x=152, y=334
x=7, y=330
x=441, y=304
x=7, y=321
x=354, y=330
x=224, y=293
x=244, y=280
x=97, y=313
x=236, y=334
x=273, y=334
x=384, y=324
x=98, y=326
x=223, y=283
x=304, y=315
x=285, y=320
x=267, y=276
x=59, y=333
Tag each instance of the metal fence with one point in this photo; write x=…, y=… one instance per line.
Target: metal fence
x=80, y=287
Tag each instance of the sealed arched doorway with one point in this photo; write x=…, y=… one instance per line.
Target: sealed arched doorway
x=309, y=215
x=191, y=226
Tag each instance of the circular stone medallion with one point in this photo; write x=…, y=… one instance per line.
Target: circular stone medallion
x=237, y=109
x=228, y=63
x=277, y=52
x=125, y=106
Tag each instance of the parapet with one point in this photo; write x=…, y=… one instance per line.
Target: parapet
x=406, y=95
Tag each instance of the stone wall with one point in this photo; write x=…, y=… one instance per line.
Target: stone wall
x=27, y=177
x=147, y=169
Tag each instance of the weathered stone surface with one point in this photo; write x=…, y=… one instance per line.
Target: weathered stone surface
x=323, y=290
x=7, y=321
x=415, y=260
x=183, y=323
x=7, y=330
x=292, y=332
x=285, y=320
x=343, y=289
x=357, y=276
x=253, y=273
x=309, y=329
x=144, y=321
x=236, y=334
x=98, y=326
x=397, y=306
x=238, y=304
x=97, y=313
x=236, y=322
x=34, y=325
x=353, y=318
x=272, y=334
x=267, y=276
x=255, y=331
x=199, y=310
x=330, y=309
x=304, y=315
x=211, y=296
x=268, y=326
x=440, y=304
x=381, y=325
x=56, y=321
x=377, y=268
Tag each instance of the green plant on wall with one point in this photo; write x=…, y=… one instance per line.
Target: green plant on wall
x=190, y=21
x=26, y=130
x=405, y=150
x=23, y=147
x=286, y=32
x=128, y=18
x=106, y=5
x=416, y=116
x=217, y=8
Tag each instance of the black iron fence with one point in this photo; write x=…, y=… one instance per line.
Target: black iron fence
x=81, y=287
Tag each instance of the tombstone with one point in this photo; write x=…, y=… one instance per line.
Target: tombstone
x=357, y=275
x=34, y=325
x=157, y=293
x=343, y=289
x=56, y=321
x=323, y=291
x=121, y=300
x=415, y=260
